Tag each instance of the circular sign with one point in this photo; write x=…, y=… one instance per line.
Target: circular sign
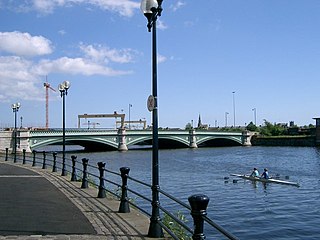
x=150, y=103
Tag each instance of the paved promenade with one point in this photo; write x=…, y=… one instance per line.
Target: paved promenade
x=38, y=204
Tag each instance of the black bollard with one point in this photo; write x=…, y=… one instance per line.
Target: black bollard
x=124, y=202
x=73, y=175
x=54, y=166
x=102, y=190
x=23, y=156
x=44, y=166
x=84, y=173
x=7, y=151
x=198, y=205
x=34, y=158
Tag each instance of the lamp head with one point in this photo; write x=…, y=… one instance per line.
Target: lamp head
x=15, y=106
x=147, y=5
x=66, y=85
x=63, y=87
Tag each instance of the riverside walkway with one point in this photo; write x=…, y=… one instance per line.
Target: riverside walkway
x=38, y=204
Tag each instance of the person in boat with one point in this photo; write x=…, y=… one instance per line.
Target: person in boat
x=255, y=173
x=265, y=174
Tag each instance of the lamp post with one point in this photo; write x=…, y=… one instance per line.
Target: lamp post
x=234, y=109
x=15, y=109
x=130, y=106
x=226, y=117
x=63, y=88
x=255, y=116
x=152, y=10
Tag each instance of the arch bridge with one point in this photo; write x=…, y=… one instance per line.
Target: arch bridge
x=122, y=139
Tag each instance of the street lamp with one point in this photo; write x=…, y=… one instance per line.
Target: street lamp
x=255, y=116
x=234, y=110
x=226, y=117
x=130, y=106
x=152, y=10
x=63, y=88
x=15, y=109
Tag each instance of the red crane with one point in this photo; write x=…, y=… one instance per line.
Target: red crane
x=47, y=86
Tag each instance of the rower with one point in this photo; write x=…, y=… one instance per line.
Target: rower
x=255, y=173
x=265, y=174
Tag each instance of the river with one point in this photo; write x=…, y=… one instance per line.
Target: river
x=248, y=210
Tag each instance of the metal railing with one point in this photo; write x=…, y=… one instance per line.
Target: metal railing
x=197, y=207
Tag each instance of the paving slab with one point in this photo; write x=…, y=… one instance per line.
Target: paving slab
x=30, y=204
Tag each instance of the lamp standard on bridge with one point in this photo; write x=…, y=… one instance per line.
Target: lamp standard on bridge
x=226, y=118
x=63, y=88
x=234, y=109
x=152, y=10
x=15, y=109
x=130, y=106
x=255, y=115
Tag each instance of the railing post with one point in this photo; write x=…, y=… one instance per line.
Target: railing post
x=102, y=191
x=7, y=151
x=44, y=160
x=34, y=158
x=85, y=173
x=124, y=202
x=54, y=166
x=73, y=175
x=23, y=156
x=198, y=205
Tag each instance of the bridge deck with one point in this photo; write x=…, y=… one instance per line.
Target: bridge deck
x=38, y=204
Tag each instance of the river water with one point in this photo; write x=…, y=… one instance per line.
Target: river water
x=248, y=210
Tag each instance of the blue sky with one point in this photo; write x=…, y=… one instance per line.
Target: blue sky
x=266, y=51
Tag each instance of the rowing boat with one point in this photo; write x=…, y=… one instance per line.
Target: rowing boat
x=266, y=180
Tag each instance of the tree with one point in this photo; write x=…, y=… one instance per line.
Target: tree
x=270, y=129
x=251, y=127
x=188, y=126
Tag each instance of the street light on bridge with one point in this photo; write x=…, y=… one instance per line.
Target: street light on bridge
x=63, y=88
x=255, y=116
x=15, y=109
x=226, y=118
x=234, y=109
x=152, y=10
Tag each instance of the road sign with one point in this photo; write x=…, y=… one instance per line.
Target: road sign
x=150, y=103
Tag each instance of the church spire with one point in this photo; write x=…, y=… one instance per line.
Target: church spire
x=199, y=122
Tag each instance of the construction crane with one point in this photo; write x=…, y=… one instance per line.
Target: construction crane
x=47, y=86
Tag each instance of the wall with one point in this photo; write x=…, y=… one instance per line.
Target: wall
x=303, y=141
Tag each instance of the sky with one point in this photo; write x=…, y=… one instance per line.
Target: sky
x=214, y=57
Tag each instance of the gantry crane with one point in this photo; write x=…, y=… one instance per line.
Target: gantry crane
x=47, y=86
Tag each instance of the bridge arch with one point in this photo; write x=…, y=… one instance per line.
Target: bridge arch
x=219, y=141
x=164, y=141
x=89, y=143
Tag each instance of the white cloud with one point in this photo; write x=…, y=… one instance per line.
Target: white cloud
x=122, y=7
x=161, y=25
x=62, y=32
x=20, y=75
x=161, y=58
x=23, y=44
x=17, y=80
x=99, y=53
x=75, y=66
x=177, y=5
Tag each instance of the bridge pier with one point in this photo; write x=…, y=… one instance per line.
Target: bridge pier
x=246, y=138
x=122, y=146
x=192, y=139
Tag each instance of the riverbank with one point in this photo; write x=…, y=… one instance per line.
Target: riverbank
x=296, y=141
